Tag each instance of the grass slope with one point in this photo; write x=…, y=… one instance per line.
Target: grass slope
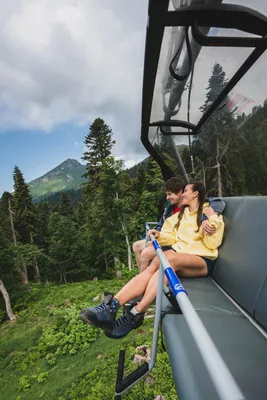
x=49, y=354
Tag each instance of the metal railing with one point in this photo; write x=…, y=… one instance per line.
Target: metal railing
x=221, y=377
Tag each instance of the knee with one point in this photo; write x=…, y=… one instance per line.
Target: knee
x=138, y=246
x=134, y=247
x=172, y=256
x=146, y=254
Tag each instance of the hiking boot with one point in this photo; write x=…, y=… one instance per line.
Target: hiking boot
x=106, y=297
x=123, y=325
x=102, y=316
x=132, y=303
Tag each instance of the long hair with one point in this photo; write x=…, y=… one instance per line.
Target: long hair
x=196, y=187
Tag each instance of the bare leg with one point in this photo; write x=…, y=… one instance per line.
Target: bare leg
x=150, y=293
x=186, y=265
x=138, y=247
x=137, y=286
x=146, y=256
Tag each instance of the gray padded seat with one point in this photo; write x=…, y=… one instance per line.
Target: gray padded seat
x=241, y=271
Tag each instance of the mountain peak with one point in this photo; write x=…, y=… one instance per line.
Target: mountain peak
x=69, y=162
x=66, y=176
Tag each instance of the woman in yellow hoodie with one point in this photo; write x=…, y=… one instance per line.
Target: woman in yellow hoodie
x=190, y=253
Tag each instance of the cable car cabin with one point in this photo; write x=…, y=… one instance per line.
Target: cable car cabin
x=204, y=116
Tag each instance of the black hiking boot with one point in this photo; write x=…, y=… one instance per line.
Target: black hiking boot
x=102, y=316
x=132, y=303
x=123, y=325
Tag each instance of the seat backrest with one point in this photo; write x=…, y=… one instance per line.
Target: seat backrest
x=241, y=269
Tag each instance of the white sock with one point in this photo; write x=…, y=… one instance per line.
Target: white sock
x=134, y=311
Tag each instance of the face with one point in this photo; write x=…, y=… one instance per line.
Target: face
x=174, y=198
x=188, y=196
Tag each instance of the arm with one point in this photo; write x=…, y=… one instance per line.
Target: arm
x=167, y=236
x=214, y=241
x=218, y=206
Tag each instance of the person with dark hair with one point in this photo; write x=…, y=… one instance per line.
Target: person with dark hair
x=189, y=250
x=144, y=252
x=174, y=187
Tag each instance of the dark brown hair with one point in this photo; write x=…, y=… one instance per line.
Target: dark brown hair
x=174, y=185
x=196, y=187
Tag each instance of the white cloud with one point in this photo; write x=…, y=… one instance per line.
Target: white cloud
x=75, y=60
x=128, y=163
x=131, y=163
x=72, y=60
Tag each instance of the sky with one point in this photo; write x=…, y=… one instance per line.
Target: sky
x=63, y=64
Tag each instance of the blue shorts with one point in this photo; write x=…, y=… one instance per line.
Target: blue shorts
x=210, y=264
x=208, y=261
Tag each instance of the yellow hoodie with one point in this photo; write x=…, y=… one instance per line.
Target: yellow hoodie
x=187, y=239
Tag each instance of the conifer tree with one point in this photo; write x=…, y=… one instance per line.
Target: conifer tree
x=151, y=199
x=105, y=217
x=66, y=208
x=42, y=233
x=99, y=144
x=80, y=214
x=23, y=207
x=5, y=225
x=6, y=265
x=24, y=221
x=212, y=144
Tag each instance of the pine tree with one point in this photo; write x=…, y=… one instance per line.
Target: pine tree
x=23, y=207
x=212, y=144
x=5, y=225
x=105, y=218
x=42, y=234
x=99, y=144
x=24, y=219
x=66, y=208
x=80, y=213
x=6, y=266
x=151, y=199
x=66, y=248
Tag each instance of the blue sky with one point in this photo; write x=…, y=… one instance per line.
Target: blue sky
x=59, y=69
x=36, y=152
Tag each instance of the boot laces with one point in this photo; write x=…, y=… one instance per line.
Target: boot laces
x=102, y=307
x=122, y=321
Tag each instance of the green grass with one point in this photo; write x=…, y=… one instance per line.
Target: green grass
x=49, y=354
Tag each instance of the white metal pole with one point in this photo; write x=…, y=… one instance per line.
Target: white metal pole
x=220, y=375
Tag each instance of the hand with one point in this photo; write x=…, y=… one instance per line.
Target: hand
x=149, y=244
x=208, y=211
x=153, y=232
x=208, y=228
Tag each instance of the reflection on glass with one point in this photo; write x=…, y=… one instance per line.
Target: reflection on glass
x=230, y=153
